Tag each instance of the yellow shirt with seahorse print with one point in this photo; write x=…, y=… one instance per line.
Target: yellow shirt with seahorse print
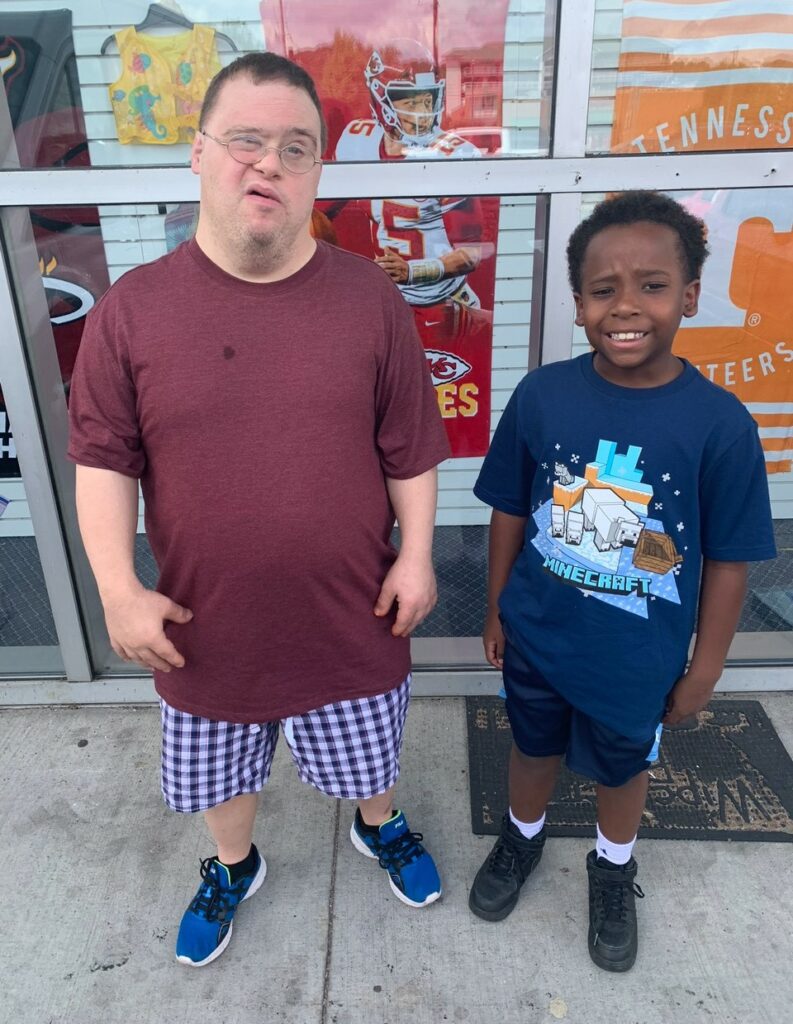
x=163, y=79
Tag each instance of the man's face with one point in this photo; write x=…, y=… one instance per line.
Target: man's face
x=633, y=295
x=259, y=207
x=415, y=113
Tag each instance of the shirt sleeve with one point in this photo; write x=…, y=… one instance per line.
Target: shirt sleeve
x=410, y=437
x=736, y=520
x=506, y=477
x=103, y=427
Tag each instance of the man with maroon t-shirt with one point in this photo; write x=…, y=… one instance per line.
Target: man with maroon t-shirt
x=291, y=372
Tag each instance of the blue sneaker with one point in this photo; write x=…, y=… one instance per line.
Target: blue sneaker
x=411, y=870
x=205, y=930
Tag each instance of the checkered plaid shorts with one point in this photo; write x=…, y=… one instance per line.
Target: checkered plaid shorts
x=349, y=749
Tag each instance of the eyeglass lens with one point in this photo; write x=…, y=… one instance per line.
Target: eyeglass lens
x=248, y=150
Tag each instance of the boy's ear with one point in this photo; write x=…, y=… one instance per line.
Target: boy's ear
x=691, y=298
x=579, y=313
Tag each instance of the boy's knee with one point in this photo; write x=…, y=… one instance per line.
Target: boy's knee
x=630, y=782
x=536, y=762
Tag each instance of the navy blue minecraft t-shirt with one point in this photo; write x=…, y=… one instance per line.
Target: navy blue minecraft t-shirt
x=625, y=491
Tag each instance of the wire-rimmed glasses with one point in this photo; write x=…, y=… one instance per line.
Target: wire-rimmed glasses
x=295, y=157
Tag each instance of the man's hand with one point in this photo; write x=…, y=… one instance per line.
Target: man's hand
x=411, y=583
x=135, y=625
x=393, y=264
x=493, y=639
x=689, y=695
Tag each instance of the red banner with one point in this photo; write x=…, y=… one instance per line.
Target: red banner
x=436, y=95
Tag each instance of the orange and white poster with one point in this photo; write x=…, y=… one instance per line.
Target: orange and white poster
x=695, y=75
x=415, y=80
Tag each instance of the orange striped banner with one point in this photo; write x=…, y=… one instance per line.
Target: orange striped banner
x=698, y=75
x=704, y=76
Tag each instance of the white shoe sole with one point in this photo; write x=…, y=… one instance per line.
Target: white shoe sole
x=361, y=847
x=254, y=887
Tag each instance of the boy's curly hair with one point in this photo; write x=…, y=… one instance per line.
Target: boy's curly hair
x=633, y=208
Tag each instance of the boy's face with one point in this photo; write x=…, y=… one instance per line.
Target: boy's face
x=633, y=295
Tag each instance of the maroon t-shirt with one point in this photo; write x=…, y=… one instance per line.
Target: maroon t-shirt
x=262, y=421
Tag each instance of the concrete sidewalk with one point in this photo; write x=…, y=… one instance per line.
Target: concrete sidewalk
x=97, y=874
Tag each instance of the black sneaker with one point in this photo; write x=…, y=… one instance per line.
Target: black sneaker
x=613, y=938
x=497, y=884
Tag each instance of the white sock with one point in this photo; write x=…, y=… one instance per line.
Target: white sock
x=528, y=829
x=615, y=853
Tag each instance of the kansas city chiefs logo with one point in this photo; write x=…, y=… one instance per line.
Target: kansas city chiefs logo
x=446, y=367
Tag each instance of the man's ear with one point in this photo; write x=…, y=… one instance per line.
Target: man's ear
x=579, y=310
x=195, y=153
x=691, y=298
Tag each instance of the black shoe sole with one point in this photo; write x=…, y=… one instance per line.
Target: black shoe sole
x=615, y=966
x=491, y=915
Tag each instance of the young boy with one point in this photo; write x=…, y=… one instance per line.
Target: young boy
x=628, y=493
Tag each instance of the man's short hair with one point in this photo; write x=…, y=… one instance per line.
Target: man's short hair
x=264, y=67
x=635, y=208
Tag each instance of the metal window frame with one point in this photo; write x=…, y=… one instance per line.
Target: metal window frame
x=29, y=438
x=501, y=176
x=563, y=178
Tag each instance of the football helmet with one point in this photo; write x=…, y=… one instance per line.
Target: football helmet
x=411, y=74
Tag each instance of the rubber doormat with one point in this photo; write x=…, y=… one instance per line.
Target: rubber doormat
x=728, y=777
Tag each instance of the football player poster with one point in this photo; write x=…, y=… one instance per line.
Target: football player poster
x=690, y=79
x=39, y=72
x=419, y=80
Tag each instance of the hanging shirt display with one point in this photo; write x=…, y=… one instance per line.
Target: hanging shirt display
x=163, y=79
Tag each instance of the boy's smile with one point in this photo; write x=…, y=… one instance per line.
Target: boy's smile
x=633, y=296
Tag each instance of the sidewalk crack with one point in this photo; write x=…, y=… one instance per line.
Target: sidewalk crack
x=331, y=912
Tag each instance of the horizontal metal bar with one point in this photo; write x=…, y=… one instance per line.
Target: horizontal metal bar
x=737, y=679
x=396, y=178
x=140, y=689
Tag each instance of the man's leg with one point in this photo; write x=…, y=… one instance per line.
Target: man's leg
x=350, y=750
x=203, y=770
x=377, y=809
x=231, y=825
x=382, y=833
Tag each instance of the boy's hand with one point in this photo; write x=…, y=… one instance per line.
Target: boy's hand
x=689, y=695
x=493, y=639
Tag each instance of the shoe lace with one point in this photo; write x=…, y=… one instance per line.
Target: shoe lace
x=401, y=850
x=611, y=899
x=503, y=860
x=211, y=901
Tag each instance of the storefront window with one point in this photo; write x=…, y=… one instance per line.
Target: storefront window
x=473, y=318
x=672, y=77
x=106, y=85
x=28, y=641
x=742, y=340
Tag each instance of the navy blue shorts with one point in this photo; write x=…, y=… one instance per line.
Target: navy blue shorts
x=545, y=725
